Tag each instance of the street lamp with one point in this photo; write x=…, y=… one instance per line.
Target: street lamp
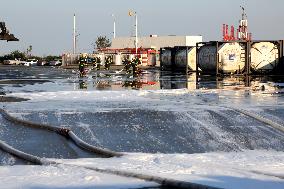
x=113, y=25
x=132, y=13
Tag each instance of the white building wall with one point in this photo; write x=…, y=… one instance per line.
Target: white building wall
x=192, y=40
x=155, y=42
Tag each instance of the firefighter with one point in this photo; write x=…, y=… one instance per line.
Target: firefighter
x=127, y=65
x=107, y=62
x=82, y=65
x=98, y=63
x=94, y=62
x=135, y=63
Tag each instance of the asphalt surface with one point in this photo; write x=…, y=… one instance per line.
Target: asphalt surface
x=195, y=129
x=147, y=131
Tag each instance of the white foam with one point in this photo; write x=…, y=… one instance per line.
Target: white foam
x=234, y=170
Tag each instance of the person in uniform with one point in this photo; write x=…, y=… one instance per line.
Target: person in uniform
x=99, y=63
x=82, y=65
x=135, y=62
x=108, y=62
x=127, y=65
x=94, y=62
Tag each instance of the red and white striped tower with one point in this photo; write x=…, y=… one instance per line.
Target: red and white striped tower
x=243, y=33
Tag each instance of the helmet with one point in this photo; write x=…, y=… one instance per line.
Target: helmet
x=85, y=55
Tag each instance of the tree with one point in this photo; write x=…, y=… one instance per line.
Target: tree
x=13, y=55
x=102, y=42
x=18, y=55
x=29, y=50
x=51, y=58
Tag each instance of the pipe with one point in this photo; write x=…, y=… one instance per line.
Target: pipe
x=261, y=119
x=40, y=161
x=12, y=119
x=64, y=132
x=169, y=183
x=22, y=155
x=90, y=148
x=163, y=181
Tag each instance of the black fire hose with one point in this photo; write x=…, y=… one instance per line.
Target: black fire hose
x=68, y=133
x=64, y=132
x=170, y=183
x=24, y=156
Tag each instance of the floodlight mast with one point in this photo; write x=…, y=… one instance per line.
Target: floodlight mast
x=74, y=34
x=131, y=13
x=114, y=26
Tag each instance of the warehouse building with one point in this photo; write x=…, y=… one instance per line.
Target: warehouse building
x=155, y=42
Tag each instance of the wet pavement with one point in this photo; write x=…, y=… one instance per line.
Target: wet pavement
x=151, y=131
x=156, y=112
x=39, y=142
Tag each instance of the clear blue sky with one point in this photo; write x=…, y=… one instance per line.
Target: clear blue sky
x=47, y=24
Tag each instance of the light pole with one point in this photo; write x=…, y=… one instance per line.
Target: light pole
x=74, y=34
x=76, y=42
x=136, y=32
x=114, y=34
x=131, y=13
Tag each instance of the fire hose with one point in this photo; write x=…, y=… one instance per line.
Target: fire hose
x=64, y=132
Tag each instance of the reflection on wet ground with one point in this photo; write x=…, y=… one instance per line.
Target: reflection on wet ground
x=156, y=80
x=151, y=79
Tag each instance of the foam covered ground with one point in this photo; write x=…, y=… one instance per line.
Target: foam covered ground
x=234, y=170
x=176, y=126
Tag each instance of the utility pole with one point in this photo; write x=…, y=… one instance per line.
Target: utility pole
x=74, y=34
x=114, y=34
x=136, y=33
x=131, y=13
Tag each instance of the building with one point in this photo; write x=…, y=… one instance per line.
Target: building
x=155, y=42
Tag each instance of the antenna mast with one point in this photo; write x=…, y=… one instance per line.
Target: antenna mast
x=243, y=33
x=74, y=34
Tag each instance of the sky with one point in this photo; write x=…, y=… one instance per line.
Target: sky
x=47, y=25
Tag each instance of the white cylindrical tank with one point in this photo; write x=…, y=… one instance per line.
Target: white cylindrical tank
x=207, y=58
x=117, y=59
x=230, y=57
x=182, y=59
x=264, y=56
x=166, y=58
